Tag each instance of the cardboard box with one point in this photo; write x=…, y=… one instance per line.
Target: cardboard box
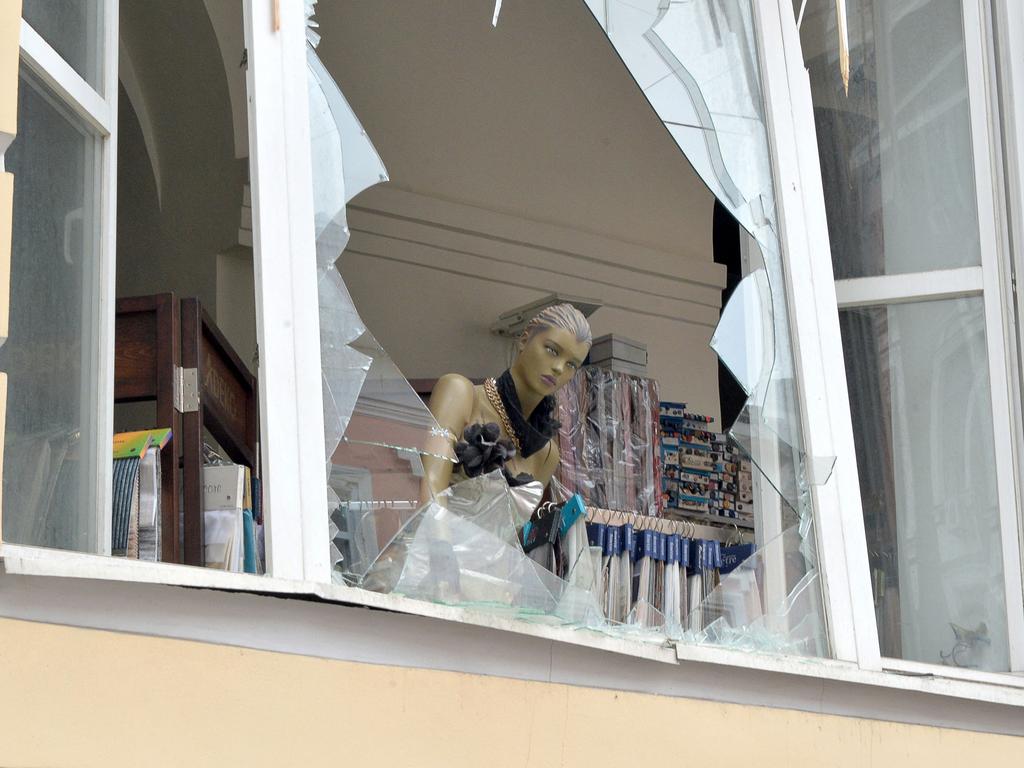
x=224, y=486
x=611, y=346
x=620, y=366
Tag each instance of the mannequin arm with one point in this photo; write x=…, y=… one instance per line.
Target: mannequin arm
x=452, y=405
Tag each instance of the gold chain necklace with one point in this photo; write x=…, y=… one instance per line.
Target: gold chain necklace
x=491, y=390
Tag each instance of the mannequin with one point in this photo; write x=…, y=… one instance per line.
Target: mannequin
x=510, y=419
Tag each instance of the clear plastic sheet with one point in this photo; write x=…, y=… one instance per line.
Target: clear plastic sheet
x=608, y=441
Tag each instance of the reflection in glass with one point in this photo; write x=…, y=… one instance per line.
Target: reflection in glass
x=895, y=153
x=74, y=29
x=919, y=392
x=697, y=65
x=49, y=359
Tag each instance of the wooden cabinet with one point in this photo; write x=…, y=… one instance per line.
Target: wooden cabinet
x=170, y=352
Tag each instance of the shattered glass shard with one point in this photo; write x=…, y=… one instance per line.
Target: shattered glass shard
x=366, y=399
x=743, y=340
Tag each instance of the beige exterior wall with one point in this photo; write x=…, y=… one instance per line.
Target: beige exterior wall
x=6, y=214
x=84, y=697
x=10, y=29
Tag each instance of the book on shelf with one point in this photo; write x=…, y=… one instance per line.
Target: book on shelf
x=135, y=523
x=229, y=495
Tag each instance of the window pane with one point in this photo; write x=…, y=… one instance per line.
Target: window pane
x=919, y=391
x=896, y=151
x=74, y=29
x=50, y=355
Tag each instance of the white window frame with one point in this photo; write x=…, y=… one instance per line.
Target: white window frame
x=98, y=110
x=1007, y=29
x=794, y=145
x=814, y=320
x=287, y=302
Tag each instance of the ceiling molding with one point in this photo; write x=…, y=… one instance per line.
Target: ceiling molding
x=449, y=219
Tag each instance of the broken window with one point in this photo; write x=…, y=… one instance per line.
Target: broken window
x=527, y=175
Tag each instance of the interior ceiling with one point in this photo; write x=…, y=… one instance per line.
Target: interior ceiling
x=537, y=118
x=183, y=100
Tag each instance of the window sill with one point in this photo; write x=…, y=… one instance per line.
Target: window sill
x=24, y=560
x=896, y=675
x=923, y=678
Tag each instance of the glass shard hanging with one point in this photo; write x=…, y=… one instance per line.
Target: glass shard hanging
x=375, y=425
x=696, y=62
x=771, y=602
x=742, y=340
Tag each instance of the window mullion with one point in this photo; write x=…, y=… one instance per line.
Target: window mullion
x=286, y=294
x=1005, y=423
x=107, y=279
x=909, y=287
x=51, y=68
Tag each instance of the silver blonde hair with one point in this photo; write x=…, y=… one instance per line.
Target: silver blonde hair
x=564, y=316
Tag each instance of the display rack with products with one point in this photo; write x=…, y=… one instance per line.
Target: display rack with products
x=659, y=574
x=703, y=474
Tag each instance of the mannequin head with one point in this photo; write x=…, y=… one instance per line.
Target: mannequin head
x=552, y=348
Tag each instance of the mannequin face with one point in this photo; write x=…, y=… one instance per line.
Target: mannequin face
x=549, y=360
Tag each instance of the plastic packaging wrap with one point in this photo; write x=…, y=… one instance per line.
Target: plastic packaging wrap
x=647, y=599
x=674, y=600
x=464, y=548
x=609, y=440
